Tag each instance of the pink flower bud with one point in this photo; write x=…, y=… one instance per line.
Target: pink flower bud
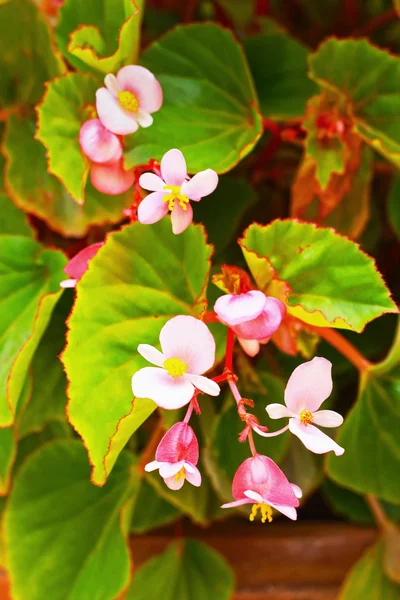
x=78, y=265
x=111, y=179
x=99, y=144
x=177, y=456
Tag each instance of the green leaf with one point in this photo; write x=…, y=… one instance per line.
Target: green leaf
x=73, y=537
x=13, y=221
x=150, y=510
x=332, y=282
x=100, y=34
x=30, y=278
x=147, y=289
x=282, y=83
x=188, y=570
x=370, y=433
x=64, y=107
x=36, y=191
x=210, y=107
x=393, y=205
x=28, y=57
x=367, y=579
x=363, y=76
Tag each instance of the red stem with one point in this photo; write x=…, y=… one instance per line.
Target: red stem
x=230, y=341
x=251, y=442
x=336, y=340
x=383, y=19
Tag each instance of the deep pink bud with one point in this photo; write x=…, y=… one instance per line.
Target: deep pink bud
x=99, y=144
x=179, y=443
x=111, y=179
x=78, y=265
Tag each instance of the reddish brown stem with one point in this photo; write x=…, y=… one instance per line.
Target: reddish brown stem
x=379, y=21
x=379, y=514
x=343, y=346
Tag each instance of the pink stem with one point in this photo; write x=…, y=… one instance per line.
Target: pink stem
x=251, y=443
x=188, y=413
x=272, y=433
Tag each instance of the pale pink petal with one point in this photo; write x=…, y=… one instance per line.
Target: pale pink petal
x=253, y=496
x=190, y=340
x=194, y=478
x=166, y=391
x=115, y=118
x=151, y=182
x=327, y=418
x=151, y=354
x=111, y=179
x=202, y=184
x=297, y=490
x=309, y=385
x=313, y=439
x=233, y=309
x=144, y=118
x=99, y=144
x=68, y=283
x=204, y=384
x=288, y=511
x=278, y=411
x=264, y=325
x=237, y=503
x=170, y=469
x=251, y=347
x=152, y=466
x=152, y=208
x=141, y=82
x=111, y=83
x=79, y=264
x=181, y=218
x=173, y=167
x=173, y=483
x=189, y=467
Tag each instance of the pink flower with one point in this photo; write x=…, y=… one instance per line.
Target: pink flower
x=99, y=144
x=79, y=264
x=128, y=100
x=308, y=386
x=111, y=179
x=259, y=481
x=173, y=191
x=253, y=316
x=177, y=456
x=188, y=351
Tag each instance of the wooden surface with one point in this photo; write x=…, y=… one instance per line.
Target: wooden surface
x=281, y=561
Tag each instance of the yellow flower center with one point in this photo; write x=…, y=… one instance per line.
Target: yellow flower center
x=306, y=417
x=175, y=194
x=180, y=474
x=265, y=510
x=175, y=367
x=128, y=101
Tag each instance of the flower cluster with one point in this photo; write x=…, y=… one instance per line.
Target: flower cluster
x=187, y=352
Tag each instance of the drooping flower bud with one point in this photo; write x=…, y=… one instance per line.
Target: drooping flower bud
x=78, y=265
x=99, y=144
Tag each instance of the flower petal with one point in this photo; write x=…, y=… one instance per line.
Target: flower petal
x=115, y=118
x=251, y=347
x=327, y=418
x=179, y=443
x=111, y=179
x=144, y=118
x=288, y=511
x=166, y=391
x=265, y=324
x=204, y=384
x=170, y=469
x=79, y=264
x=195, y=477
x=141, y=82
x=68, y=283
x=237, y=503
x=278, y=411
x=200, y=185
x=297, y=490
x=313, y=439
x=190, y=340
x=309, y=385
x=152, y=466
x=151, y=182
x=233, y=309
x=152, y=208
x=111, y=83
x=173, y=483
x=99, y=144
x=253, y=496
x=173, y=167
x=181, y=218
x=151, y=354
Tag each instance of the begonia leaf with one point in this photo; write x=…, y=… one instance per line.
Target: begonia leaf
x=100, y=34
x=28, y=54
x=210, y=109
x=42, y=194
x=188, y=570
x=278, y=64
x=150, y=510
x=124, y=299
x=63, y=517
x=14, y=221
x=370, y=433
x=393, y=205
x=364, y=77
x=332, y=283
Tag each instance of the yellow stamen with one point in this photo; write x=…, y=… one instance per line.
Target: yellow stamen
x=128, y=101
x=265, y=510
x=180, y=474
x=306, y=417
x=175, y=194
x=175, y=367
